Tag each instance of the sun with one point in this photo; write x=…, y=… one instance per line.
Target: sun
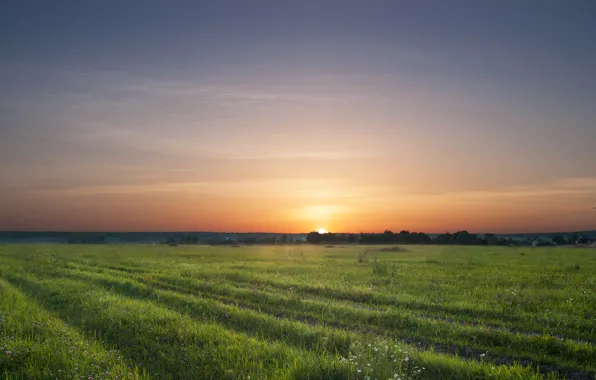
x=322, y=231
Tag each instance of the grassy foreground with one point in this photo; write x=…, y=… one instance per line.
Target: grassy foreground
x=296, y=312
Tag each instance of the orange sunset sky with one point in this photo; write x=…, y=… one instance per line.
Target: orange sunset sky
x=289, y=118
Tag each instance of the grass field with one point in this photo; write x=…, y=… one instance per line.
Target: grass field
x=296, y=312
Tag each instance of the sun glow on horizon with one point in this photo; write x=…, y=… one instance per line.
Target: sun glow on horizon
x=322, y=231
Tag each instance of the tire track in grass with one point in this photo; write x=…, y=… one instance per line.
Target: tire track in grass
x=468, y=350
x=368, y=298
x=230, y=314
x=311, y=365
x=214, y=310
x=499, y=372
x=496, y=327
x=323, y=308
x=167, y=342
x=36, y=344
x=576, y=330
x=452, y=318
x=243, y=292
x=588, y=329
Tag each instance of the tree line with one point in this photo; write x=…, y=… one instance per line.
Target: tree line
x=407, y=237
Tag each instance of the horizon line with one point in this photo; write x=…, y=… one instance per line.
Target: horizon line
x=290, y=233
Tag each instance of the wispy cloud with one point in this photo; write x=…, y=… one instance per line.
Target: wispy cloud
x=222, y=89
x=577, y=186
x=125, y=189
x=299, y=188
x=106, y=133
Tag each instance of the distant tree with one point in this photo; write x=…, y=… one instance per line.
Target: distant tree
x=464, y=238
x=443, y=238
x=559, y=240
x=420, y=238
x=314, y=238
x=492, y=239
x=283, y=239
x=460, y=237
x=171, y=241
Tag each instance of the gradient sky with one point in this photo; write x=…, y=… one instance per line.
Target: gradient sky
x=288, y=116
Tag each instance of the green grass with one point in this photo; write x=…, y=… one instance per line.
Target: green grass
x=296, y=312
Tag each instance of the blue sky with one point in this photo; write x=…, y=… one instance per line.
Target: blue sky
x=383, y=114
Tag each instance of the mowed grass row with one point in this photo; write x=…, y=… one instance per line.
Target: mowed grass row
x=320, y=305
x=167, y=344
x=34, y=344
x=565, y=308
x=239, y=285
x=267, y=319
x=549, y=282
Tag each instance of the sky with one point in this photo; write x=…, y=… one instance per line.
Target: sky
x=290, y=116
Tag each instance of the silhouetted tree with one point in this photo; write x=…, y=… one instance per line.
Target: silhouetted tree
x=559, y=240
x=314, y=237
x=443, y=238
